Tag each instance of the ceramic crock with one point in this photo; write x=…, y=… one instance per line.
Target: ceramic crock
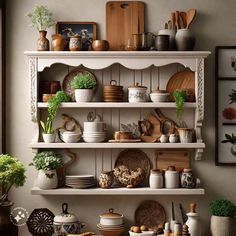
x=111, y=218
x=75, y=43
x=156, y=179
x=171, y=33
x=137, y=93
x=66, y=223
x=187, y=179
x=171, y=178
x=185, y=40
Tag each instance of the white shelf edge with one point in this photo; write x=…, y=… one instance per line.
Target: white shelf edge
x=119, y=145
x=119, y=105
x=118, y=191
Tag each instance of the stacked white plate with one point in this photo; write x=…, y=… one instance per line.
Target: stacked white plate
x=94, y=137
x=80, y=181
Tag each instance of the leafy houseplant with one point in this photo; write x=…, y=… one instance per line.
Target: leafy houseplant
x=221, y=220
x=41, y=18
x=230, y=139
x=12, y=173
x=46, y=163
x=83, y=84
x=53, y=105
x=180, y=97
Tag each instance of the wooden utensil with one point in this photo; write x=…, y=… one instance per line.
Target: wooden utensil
x=173, y=19
x=181, y=23
x=166, y=25
x=169, y=24
x=177, y=19
x=178, y=158
x=190, y=15
x=183, y=15
x=123, y=18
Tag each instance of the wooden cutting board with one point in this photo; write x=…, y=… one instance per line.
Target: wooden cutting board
x=177, y=158
x=123, y=18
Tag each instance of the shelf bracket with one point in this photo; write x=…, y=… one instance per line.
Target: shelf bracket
x=198, y=154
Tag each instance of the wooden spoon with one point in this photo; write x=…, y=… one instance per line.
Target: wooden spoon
x=173, y=19
x=190, y=15
x=177, y=19
x=183, y=15
x=181, y=22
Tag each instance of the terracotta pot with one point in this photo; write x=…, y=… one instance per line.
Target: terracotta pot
x=100, y=45
x=43, y=42
x=221, y=226
x=7, y=228
x=58, y=42
x=75, y=43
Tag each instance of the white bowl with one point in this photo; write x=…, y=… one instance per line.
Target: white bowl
x=89, y=139
x=94, y=127
x=71, y=137
x=144, y=233
x=159, y=97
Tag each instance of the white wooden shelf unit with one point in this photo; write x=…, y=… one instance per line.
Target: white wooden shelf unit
x=134, y=61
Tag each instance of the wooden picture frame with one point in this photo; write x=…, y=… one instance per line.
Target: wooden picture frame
x=225, y=105
x=87, y=31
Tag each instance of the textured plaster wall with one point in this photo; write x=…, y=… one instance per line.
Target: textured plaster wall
x=214, y=25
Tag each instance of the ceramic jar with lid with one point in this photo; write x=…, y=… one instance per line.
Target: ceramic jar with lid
x=113, y=92
x=187, y=179
x=159, y=95
x=156, y=179
x=137, y=93
x=171, y=178
x=66, y=223
x=111, y=218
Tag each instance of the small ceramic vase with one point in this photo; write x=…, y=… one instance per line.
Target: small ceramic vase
x=187, y=179
x=75, y=43
x=58, y=42
x=43, y=42
x=185, y=40
x=164, y=138
x=173, y=138
x=193, y=222
x=106, y=179
x=156, y=179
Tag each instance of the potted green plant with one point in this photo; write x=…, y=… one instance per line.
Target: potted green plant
x=41, y=18
x=222, y=212
x=185, y=134
x=53, y=105
x=46, y=163
x=12, y=173
x=230, y=139
x=84, y=85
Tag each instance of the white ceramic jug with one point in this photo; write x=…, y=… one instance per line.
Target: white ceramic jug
x=193, y=221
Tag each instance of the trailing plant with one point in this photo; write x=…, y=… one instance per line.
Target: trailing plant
x=53, y=105
x=41, y=18
x=12, y=173
x=180, y=97
x=222, y=207
x=83, y=81
x=229, y=139
x=47, y=160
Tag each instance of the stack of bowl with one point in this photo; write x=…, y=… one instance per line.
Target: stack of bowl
x=94, y=132
x=111, y=223
x=113, y=92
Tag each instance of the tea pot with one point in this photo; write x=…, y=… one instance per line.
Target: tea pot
x=66, y=223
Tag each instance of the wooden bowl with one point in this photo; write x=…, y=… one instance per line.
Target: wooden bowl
x=100, y=45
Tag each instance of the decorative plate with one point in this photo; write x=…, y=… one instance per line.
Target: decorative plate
x=182, y=80
x=151, y=214
x=134, y=158
x=69, y=77
x=40, y=222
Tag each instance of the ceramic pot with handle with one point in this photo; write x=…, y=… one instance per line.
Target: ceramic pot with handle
x=111, y=218
x=66, y=223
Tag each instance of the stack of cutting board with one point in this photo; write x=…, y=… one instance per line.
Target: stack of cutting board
x=123, y=18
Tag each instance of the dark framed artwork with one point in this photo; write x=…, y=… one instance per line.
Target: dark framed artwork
x=225, y=72
x=87, y=31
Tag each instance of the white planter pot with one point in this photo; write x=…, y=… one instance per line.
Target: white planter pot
x=185, y=135
x=221, y=226
x=49, y=138
x=47, y=179
x=83, y=95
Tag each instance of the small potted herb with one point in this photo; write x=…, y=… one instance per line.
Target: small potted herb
x=222, y=212
x=185, y=134
x=41, y=18
x=84, y=85
x=53, y=105
x=46, y=163
x=230, y=139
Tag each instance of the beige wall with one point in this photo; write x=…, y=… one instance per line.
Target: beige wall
x=215, y=25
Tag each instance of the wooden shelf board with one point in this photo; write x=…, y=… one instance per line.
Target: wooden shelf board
x=118, y=191
x=119, y=145
x=119, y=105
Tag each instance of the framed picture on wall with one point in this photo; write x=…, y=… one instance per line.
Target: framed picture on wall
x=225, y=71
x=87, y=31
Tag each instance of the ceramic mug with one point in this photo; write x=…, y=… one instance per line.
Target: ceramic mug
x=118, y=135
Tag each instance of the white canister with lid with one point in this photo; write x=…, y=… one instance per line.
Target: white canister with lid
x=137, y=93
x=111, y=218
x=171, y=178
x=156, y=179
